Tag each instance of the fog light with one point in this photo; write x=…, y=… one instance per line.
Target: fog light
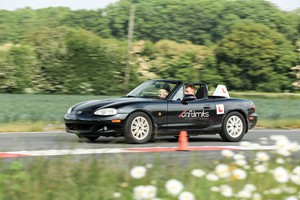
x=105, y=128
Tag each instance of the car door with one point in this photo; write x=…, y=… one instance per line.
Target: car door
x=190, y=115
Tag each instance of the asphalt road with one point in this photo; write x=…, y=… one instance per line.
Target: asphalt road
x=61, y=143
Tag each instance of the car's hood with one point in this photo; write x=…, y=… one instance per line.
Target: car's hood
x=96, y=104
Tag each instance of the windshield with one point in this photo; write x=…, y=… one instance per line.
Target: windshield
x=153, y=89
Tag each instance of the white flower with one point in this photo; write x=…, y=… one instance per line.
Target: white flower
x=139, y=192
x=239, y=157
x=281, y=175
x=138, y=172
x=227, y=153
x=124, y=184
x=294, y=146
x=263, y=140
x=198, y=173
x=245, y=144
x=296, y=170
x=260, y=168
x=149, y=165
x=150, y=192
x=239, y=174
x=186, y=196
x=275, y=191
x=116, y=195
x=283, y=152
x=255, y=145
x=291, y=198
x=244, y=194
x=250, y=187
x=215, y=189
x=241, y=163
x=295, y=179
x=278, y=137
x=283, y=145
x=226, y=190
x=212, y=177
x=262, y=156
x=174, y=187
x=144, y=192
x=256, y=196
x=290, y=190
x=280, y=160
x=222, y=170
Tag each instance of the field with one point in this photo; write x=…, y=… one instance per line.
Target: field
x=41, y=112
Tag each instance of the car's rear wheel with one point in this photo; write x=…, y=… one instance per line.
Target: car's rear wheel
x=233, y=128
x=138, y=128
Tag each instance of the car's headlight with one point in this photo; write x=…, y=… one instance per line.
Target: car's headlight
x=70, y=110
x=106, y=111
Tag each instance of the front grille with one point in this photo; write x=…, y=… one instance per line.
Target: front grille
x=82, y=113
x=80, y=127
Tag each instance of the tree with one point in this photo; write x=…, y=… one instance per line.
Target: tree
x=77, y=61
x=16, y=68
x=171, y=60
x=253, y=56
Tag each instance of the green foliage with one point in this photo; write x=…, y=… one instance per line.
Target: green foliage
x=16, y=65
x=76, y=61
x=254, y=56
x=171, y=60
x=60, y=46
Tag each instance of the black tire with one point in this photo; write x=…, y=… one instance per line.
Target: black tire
x=88, y=138
x=233, y=128
x=138, y=128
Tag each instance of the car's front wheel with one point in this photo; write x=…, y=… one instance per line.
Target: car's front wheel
x=138, y=128
x=233, y=128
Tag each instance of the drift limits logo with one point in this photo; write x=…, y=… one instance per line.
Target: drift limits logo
x=193, y=114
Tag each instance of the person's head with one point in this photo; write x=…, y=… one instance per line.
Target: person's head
x=162, y=93
x=189, y=89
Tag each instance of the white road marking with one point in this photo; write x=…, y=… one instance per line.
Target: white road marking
x=54, y=152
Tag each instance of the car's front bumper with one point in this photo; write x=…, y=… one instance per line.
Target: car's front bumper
x=252, y=120
x=95, y=125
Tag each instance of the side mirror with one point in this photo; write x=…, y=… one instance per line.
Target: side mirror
x=188, y=97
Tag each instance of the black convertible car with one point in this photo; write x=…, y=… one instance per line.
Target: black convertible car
x=160, y=107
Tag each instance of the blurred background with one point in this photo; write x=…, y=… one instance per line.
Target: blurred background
x=245, y=44
x=251, y=46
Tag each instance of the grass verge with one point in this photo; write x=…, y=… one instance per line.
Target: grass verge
x=279, y=123
x=30, y=127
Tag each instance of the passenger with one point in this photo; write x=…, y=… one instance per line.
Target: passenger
x=162, y=93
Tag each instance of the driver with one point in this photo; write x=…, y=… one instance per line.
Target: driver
x=162, y=93
x=189, y=89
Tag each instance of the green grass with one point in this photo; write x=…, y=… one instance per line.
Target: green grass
x=38, y=112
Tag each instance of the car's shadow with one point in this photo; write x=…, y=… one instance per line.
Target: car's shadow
x=165, y=139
